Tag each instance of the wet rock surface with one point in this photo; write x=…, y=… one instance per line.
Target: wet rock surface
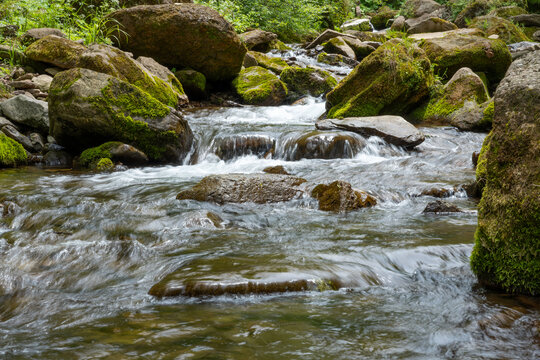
x=240, y=188
x=339, y=196
x=393, y=129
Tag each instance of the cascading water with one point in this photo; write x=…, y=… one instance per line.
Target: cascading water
x=79, y=253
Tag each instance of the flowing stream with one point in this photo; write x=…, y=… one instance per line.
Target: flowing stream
x=79, y=255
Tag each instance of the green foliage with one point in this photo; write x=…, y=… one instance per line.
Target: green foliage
x=76, y=18
x=292, y=20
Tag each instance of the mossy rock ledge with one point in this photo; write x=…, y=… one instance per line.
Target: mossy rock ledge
x=87, y=108
x=258, y=86
x=506, y=253
x=505, y=29
x=388, y=81
x=450, y=53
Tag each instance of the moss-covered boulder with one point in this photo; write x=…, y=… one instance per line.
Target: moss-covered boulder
x=464, y=87
x=505, y=29
x=418, y=8
x=382, y=17
x=56, y=50
x=68, y=54
x=339, y=46
x=473, y=9
x=258, y=86
x=388, y=81
x=507, y=12
x=181, y=35
x=115, y=151
x=450, y=53
x=274, y=64
x=506, y=253
x=308, y=81
x=335, y=59
x=87, y=108
x=240, y=188
x=194, y=83
x=339, y=196
x=11, y=152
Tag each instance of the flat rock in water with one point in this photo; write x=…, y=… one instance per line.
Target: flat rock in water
x=240, y=188
x=393, y=129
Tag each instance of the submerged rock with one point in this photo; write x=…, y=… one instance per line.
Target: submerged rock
x=339, y=196
x=89, y=108
x=505, y=255
x=169, y=287
x=258, y=86
x=440, y=206
x=181, y=35
x=278, y=169
x=228, y=148
x=240, y=188
x=388, y=81
x=393, y=129
x=324, y=145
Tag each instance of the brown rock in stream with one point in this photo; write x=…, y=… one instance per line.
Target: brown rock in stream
x=339, y=196
x=240, y=188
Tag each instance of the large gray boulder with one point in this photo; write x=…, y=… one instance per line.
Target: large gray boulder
x=88, y=108
x=393, y=129
x=182, y=35
x=27, y=111
x=507, y=241
x=240, y=188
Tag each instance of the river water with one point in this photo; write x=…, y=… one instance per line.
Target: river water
x=78, y=258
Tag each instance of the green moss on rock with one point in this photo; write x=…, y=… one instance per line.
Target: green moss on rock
x=274, y=64
x=309, y=80
x=194, y=82
x=505, y=29
x=104, y=164
x=11, y=152
x=382, y=17
x=258, y=86
x=388, y=81
x=90, y=157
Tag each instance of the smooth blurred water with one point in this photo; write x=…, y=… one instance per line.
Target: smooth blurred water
x=78, y=259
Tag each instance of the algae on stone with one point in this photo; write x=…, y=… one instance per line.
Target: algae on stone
x=308, y=81
x=258, y=86
x=505, y=29
x=11, y=152
x=274, y=64
x=388, y=81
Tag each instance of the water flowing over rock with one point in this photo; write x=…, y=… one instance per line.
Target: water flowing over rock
x=507, y=239
x=182, y=35
x=439, y=206
x=393, y=129
x=388, y=81
x=89, y=108
x=240, y=188
x=258, y=86
x=339, y=196
x=323, y=145
x=228, y=148
x=452, y=52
